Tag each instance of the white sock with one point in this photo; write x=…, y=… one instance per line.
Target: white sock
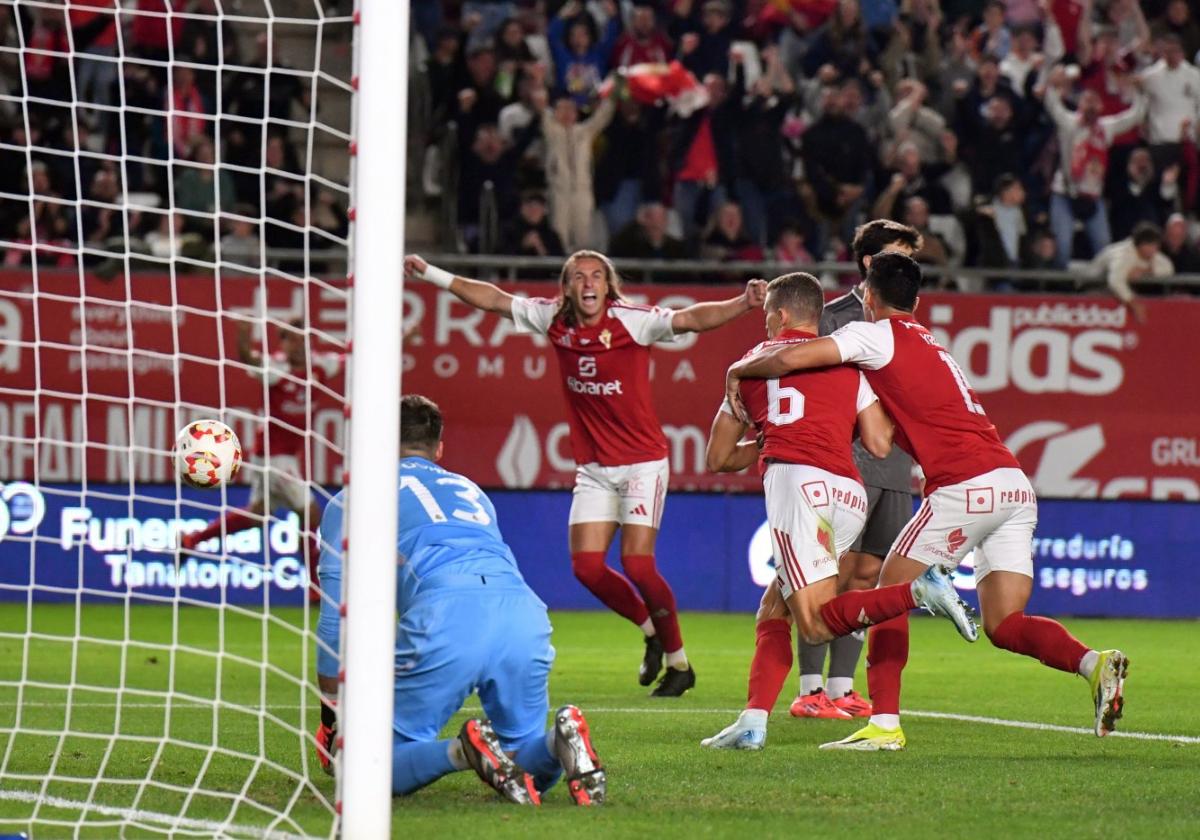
x=753, y=718
x=886, y=721
x=839, y=687
x=1088, y=664
x=677, y=659
x=458, y=758
x=647, y=627
x=810, y=683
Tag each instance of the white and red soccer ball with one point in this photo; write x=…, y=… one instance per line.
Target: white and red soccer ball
x=207, y=454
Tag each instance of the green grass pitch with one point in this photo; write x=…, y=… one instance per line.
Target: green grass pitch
x=957, y=778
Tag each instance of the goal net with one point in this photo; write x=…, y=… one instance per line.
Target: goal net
x=175, y=213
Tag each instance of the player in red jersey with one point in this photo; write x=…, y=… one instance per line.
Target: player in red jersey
x=279, y=444
x=816, y=503
x=976, y=496
x=603, y=347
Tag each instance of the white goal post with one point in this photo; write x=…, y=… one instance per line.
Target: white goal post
x=189, y=191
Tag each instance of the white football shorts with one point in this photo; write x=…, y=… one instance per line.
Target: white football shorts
x=993, y=514
x=815, y=516
x=278, y=483
x=633, y=494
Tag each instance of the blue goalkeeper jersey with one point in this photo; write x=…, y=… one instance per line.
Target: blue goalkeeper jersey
x=447, y=527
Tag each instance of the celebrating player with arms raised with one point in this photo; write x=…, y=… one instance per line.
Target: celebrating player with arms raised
x=816, y=504
x=603, y=346
x=976, y=496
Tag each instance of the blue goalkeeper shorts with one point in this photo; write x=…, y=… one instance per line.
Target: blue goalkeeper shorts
x=465, y=632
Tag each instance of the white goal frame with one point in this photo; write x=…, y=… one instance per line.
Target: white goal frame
x=377, y=254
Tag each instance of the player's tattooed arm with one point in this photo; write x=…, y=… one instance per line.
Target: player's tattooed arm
x=476, y=293
x=726, y=451
x=776, y=362
x=708, y=315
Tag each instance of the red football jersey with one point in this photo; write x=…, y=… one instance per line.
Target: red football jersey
x=929, y=398
x=605, y=372
x=809, y=416
x=287, y=406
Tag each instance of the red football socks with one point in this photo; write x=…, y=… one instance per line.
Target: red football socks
x=887, y=654
x=612, y=588
x=1042, y=638
x=230, y=522
x=854, y=610
x=659, y=598
x=771, y=664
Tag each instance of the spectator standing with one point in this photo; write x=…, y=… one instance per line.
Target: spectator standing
x=580, y=58
x=188, y=111
x=95, y=63
x=1177, y=20
x=760, y=180
x=643, y=42
x=701, y=157
x=1142, y=196
x=1084, y=139
x=627, y=170
x=837, y=157
x=569, y=165
x=1172, y=89
x=843, y=42
x=704, y=48
x=992, y=37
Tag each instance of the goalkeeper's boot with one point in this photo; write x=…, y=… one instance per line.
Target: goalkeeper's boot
x=854, y=704
x=870, y=738
x=1108, y=689
x=934, y=592
x=748, y=732
x=488, y=759
x=652, y=661
x=327, y=747
x=327, y=737
x=573, y=749
x=674, y=683
x=816, y=704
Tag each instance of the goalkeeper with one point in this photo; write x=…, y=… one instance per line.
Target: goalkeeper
x=468, y=623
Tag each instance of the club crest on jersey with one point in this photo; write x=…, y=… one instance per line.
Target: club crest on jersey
x=606, y=338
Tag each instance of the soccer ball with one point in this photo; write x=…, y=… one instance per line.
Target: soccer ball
x=207, y=454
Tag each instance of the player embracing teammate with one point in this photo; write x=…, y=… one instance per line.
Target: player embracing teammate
x=976, y=496
x=602, y=342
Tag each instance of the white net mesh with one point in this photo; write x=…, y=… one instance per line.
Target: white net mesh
x=174, y=201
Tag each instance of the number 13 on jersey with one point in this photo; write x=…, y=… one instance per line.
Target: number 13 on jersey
x=469, y=493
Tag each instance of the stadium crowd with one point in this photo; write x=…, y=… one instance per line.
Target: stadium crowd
x=143, y=178
x=1017, y=134
x=1025, y=133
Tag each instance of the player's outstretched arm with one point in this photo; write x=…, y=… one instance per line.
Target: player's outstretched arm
x=726, y=451
x=876, y=430
x=477, y=293
x=776, y=362
x=708, y=315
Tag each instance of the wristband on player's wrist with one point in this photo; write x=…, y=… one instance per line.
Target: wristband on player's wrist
x=438, y=277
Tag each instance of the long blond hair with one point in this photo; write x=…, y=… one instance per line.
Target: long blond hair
x=566, y=312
